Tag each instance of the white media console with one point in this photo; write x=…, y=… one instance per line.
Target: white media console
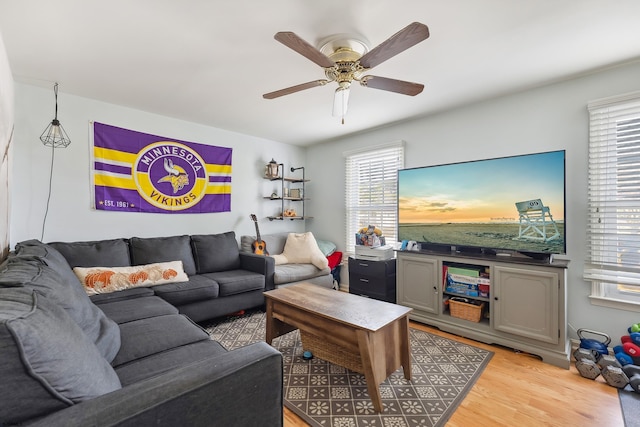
x=525, y=309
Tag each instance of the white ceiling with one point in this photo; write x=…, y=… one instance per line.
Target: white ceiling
x=210, y=61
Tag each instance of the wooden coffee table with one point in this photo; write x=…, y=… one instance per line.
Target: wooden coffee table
x=365, y=335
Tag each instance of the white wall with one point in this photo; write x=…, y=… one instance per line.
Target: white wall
x=547, y=118
x=542, y=119
x=70, y=216
x=6, y=129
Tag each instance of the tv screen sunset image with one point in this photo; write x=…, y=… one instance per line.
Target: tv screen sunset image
x=509, y=203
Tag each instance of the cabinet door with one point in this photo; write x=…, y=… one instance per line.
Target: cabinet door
x=525, y=303
x=418, y=283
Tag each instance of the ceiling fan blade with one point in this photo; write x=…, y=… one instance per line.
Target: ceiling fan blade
x=294, y=89
x=409, y=36
x=293, y=41
x=392, y=85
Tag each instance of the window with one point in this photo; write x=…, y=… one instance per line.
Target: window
x=371, y=190
x=613, y=232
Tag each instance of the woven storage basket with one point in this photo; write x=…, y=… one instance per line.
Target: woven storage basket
x=464, y=310
x=331, y=352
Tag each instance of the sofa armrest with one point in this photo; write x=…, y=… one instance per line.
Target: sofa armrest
x=240, y=387
x=259, y=264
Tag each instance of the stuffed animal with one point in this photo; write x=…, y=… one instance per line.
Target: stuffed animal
x=289, y=213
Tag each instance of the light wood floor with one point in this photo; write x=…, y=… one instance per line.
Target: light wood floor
x=517, y=389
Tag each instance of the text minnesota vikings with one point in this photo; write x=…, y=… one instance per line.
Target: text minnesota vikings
x=176, y=175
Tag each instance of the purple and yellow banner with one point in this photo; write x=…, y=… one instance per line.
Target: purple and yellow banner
x=138, y=172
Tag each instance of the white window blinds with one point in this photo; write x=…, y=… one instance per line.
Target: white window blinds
x=372, y=190
x=613, y=232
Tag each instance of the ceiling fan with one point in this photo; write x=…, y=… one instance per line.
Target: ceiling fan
x=347, y=58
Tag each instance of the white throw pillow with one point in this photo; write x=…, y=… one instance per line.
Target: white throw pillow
x=102, y=280
x=302, y=248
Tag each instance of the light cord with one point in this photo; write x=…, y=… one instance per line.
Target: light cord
x=46, y=212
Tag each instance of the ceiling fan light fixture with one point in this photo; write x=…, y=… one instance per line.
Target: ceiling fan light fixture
x=341, y=102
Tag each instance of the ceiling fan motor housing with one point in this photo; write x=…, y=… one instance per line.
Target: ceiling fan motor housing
x=345, y=51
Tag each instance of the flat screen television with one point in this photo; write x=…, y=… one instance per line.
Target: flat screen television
x=502, y=205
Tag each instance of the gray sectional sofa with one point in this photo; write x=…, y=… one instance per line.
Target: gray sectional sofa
x=288, y=274
x=132, y=357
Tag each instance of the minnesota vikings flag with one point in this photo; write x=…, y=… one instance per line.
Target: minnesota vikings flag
x=138, y=172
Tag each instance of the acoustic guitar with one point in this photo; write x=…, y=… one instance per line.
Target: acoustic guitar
x=259, y=247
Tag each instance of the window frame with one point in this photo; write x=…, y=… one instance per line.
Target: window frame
x=613, y=226
x=385, y=179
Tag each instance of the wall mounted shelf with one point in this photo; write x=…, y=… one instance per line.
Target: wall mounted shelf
x=285, y=184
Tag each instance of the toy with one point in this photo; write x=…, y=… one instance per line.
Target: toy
x=289, y=213
x=370, y=236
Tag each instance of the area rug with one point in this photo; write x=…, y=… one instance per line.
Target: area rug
x=327, y=395
x=630, y=404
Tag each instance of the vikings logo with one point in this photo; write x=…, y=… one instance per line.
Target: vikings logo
x=173, y=163
x=177, y=176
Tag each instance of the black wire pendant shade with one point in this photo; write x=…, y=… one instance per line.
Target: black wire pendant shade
x=54, y=135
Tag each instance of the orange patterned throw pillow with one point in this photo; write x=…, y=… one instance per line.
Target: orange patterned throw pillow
x=102, y=280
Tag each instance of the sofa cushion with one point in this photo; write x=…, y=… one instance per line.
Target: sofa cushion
x=301, y=248
x=274, y=242
x=288, y=273
x=159, y=363
x=216, y=252
x=136, y=308
x=162, y=249
x=237, y=281
x=144, y=337
x=108, y=253
x=100, y=280
x=29, y=272
x=48, y=363
x=122, y=295
x=198, y=288
x=326, y=247
x=48, y=255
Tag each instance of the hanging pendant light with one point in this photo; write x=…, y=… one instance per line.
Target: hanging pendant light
x=54, y=135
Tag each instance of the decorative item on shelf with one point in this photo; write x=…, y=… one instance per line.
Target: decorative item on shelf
x=54, y=135
x=274, y=195
x=289, y=213
x=285, y=192
x=370, y=236
x=295, y=193
x=271, y=170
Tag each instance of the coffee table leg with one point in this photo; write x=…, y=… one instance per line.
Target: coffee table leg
x=405, y=347
x=269, y=322
x=373, y=386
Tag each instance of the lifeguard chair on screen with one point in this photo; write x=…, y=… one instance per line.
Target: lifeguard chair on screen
x=536, y=222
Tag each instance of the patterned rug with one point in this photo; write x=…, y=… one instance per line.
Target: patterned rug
x=327, y=395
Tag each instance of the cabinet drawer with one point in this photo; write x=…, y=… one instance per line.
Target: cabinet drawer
x=379, y=285
x=381, y=288
x=372, y=268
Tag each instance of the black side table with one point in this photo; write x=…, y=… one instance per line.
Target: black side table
x=373, y=279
